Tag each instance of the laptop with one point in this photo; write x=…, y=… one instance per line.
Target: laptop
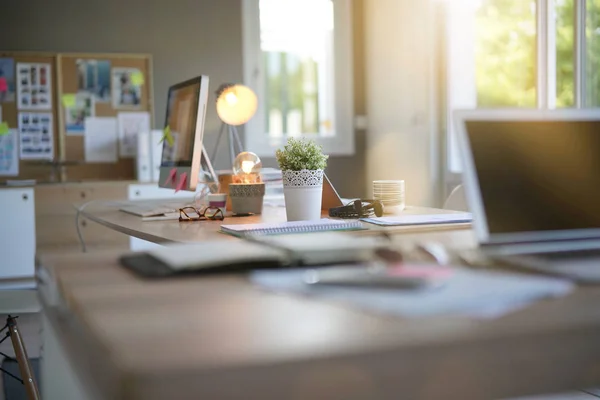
x=532, y=181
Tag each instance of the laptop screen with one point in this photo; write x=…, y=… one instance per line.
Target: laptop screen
x=537, y=175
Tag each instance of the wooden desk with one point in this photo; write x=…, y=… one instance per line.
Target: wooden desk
x=222, y=338
x=174, y=231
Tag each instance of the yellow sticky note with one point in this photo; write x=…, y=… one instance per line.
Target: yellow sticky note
x=137, y=79
x=4, y=129
x=167, y=136
x=68, y=100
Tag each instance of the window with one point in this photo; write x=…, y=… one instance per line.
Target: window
x=520, y=53
x=298, y=60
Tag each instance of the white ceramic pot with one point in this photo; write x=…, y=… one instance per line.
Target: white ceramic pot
x=303, y=191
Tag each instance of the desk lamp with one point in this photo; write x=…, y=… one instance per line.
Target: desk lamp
x=236, y=104
x=247, y=190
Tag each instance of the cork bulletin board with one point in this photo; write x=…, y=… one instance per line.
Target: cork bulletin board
x=101, y=77
x=107, y=103
x=40, y=169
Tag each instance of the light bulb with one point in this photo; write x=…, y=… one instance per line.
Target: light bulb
x=236, y=104
x=231, y=98
x=246, y=168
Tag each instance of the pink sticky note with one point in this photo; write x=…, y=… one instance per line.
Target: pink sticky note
x=182, y=182
x=172, y=177
x=3, y=85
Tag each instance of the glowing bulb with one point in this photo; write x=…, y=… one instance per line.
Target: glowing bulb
x=246, y=168
x=231, y=98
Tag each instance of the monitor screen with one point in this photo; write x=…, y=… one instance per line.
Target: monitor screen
x=182, y=112
x=537, y=175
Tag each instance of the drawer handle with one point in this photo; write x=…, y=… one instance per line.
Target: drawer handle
x=25, y=197
x=137, y=192
x=83, y=195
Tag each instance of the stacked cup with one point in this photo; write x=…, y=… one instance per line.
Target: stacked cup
x=391, y=194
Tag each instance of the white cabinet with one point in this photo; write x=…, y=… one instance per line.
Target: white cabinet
x=17, y=236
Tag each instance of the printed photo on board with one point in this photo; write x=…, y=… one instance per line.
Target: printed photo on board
x=93, y=76
x=34, y=90
x=75, y=115
x=7, y=80
x=125, y=93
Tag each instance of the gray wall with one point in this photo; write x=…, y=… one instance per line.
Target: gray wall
x=185, y=37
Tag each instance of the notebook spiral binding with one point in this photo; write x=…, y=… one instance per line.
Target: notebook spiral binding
x=306, y=229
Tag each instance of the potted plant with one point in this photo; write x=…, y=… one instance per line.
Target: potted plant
x=302, y=165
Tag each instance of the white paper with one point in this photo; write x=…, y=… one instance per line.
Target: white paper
x=156, y=152
x=100, y=140
x=467, y=292
x=144, y=162
x=34, y=86
x=124, y=93
x=75, y=116
x=130, y=123
x=9, y=158
x=424, y=219
x=36, y=136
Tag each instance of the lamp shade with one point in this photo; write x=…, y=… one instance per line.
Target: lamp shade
x=236, y=104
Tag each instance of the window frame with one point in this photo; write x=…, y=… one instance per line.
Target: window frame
x=545, y=71
x=256, y=138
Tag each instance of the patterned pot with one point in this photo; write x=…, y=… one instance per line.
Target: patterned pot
x=303, y=191
x=246, y=198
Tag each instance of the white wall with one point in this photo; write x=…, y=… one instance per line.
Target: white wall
x=402, y=136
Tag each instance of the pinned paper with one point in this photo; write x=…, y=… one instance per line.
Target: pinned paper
x=4, y=129
x=167, y=136
x=3, y=85
x=137, y=78
x=182, y=182
x=172, y=177
x=68, y=100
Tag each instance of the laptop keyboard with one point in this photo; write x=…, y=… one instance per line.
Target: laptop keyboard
x=579, y=255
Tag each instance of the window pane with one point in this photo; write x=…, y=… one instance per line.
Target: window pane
x=593, y=53
x=298, y=65
x=565, y=53
x=505, y=48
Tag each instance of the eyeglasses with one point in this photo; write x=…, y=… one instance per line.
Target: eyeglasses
x=208, y=213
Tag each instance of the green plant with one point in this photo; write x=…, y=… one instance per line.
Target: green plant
x=299, y=154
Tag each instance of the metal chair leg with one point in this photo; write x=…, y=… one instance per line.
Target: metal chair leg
x=22, y=359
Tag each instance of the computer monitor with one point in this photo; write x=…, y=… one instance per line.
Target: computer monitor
x=186, y=111
x=531, y=175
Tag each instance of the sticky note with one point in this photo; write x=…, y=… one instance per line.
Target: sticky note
x=68, y=100
x=182, y=182
x=167, y=136
x=4, y=129
x=137, y=79
x=3, y=85
x=172, y=177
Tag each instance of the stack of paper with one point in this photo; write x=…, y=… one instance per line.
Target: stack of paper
x=478, y=294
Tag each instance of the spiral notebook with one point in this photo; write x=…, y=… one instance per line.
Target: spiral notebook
x=322, y=225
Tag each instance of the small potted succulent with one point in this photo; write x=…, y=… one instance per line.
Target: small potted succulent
x=302, y=165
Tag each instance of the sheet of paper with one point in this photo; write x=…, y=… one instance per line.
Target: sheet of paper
x=125, y=93
x=470, y=293
x=36, y=136
x=424, y=219
x=7, y=80
x=9, y=157
x=84, y=106
x=34, y=86
x=100, y=140
x=129, y=124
